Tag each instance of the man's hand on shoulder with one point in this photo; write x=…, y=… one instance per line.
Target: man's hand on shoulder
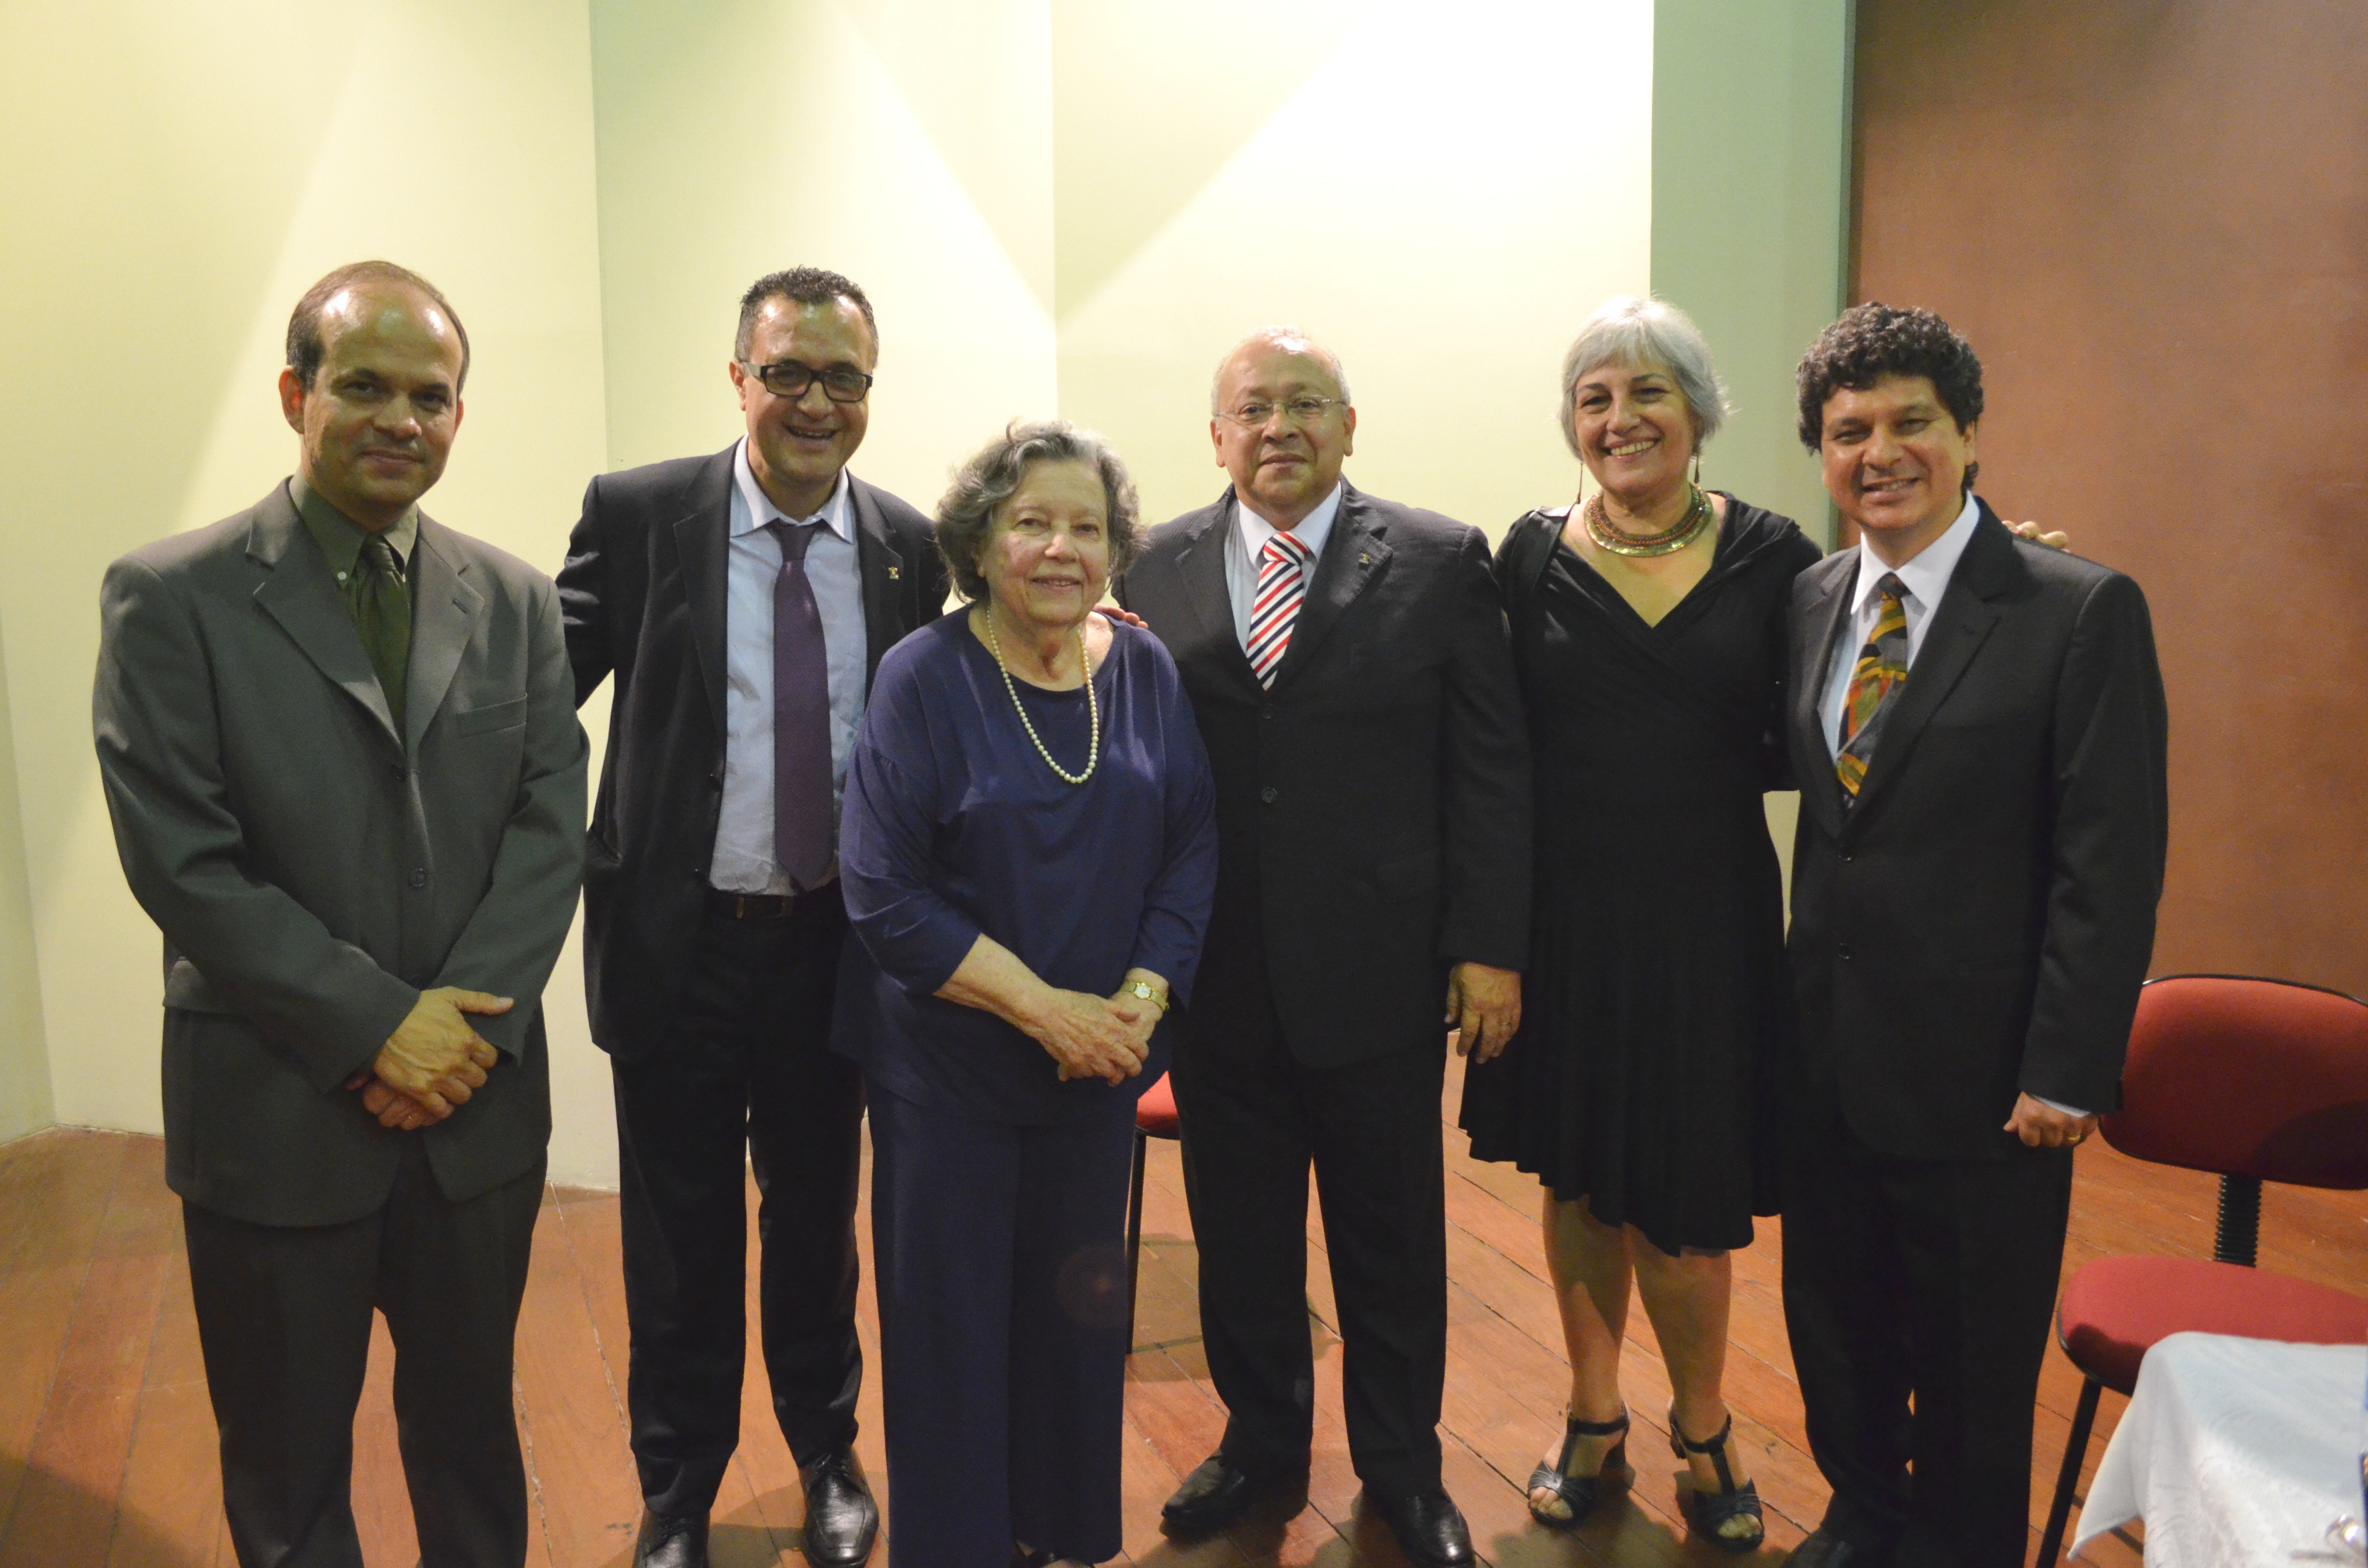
x=434, y=1058
x=1119, y=612
x=1484, y=1004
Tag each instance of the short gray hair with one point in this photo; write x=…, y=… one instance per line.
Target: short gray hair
x=1297, y=342
x=1629, y=331
x=992, y=476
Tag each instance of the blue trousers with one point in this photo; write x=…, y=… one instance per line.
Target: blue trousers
x=1002, y=1331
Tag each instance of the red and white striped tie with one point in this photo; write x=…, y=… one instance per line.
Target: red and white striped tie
x=1281, y=586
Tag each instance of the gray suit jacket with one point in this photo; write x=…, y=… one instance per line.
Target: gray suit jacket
x=313, y=871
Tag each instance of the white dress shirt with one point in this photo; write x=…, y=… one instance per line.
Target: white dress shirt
x=744, y=829
x=1247, y=537
x=1922, y=581
x=1925, y=579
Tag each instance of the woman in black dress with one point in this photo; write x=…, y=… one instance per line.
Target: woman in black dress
x=1648, y=625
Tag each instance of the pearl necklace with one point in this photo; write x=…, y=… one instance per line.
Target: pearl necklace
x=1667, y=542
x=1093, y=709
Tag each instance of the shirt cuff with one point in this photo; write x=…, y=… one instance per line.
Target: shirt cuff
x=2059, y=1105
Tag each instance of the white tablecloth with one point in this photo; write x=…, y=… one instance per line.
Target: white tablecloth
x=2237, y=1452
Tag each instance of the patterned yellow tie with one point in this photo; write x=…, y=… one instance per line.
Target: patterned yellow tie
x=1882, y=666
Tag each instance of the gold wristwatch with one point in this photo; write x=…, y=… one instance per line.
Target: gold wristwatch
x=1143, y=990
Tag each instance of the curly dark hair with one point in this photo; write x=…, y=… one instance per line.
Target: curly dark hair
x=1876, y=340
x=993, y=474
x=804, y=286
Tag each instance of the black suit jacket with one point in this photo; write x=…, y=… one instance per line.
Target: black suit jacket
x=1979, y=922
x=643, y=596
x=1374, y=807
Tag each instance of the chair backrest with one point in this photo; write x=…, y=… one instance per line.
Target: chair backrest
x=2247, y=1077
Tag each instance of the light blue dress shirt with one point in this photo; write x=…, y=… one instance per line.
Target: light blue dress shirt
x=743, y=858
x=1925, y=578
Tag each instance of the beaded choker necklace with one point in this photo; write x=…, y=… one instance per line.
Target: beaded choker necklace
x=1093, y=709
x=1666, y=542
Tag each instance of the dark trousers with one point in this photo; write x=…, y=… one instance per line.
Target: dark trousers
x=1253, y=1122
x=1002, y=1331
x=1930, y=1278
x=745, y=1078
x=284, y=1320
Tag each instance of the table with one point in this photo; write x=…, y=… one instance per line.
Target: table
x=2236, y=1452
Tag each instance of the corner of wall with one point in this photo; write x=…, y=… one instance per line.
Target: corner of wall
x=27, y=1104
x=1751, y=192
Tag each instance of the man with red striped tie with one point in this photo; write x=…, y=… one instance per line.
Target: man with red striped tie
x=1347, y=663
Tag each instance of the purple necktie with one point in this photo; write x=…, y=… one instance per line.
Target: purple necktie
x=801, y=804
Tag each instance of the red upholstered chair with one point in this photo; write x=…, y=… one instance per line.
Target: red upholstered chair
x=1154, y=1117
x=2256, y=1080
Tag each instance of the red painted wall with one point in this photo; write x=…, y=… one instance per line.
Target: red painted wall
x=2151, y=219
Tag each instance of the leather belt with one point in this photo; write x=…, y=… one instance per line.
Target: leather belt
x=768, y=906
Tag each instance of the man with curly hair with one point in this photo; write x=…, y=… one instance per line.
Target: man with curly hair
x=1977, y=723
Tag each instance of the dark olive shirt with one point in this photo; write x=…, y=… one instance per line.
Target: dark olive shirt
x=341, y=541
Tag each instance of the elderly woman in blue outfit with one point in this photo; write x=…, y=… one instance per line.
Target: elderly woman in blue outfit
x=1028, y=854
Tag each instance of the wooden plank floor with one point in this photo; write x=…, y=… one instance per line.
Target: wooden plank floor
x=106, y=1439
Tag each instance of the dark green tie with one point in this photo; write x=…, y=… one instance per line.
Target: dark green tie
x=382, y=607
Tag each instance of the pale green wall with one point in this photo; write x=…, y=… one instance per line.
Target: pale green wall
x=1751, y=135
x=1058, y=206
x=1440, y=194
x=1751, y=138
x=25, y=1100
x=175, y=176
x=903, y=144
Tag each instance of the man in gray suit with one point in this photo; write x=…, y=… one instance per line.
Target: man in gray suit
x=339, y=747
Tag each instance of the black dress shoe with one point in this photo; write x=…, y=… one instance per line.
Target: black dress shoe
x=1217, y=1492
x=677, y=1540
x=1429, y=1526
x=1823, y=1549
x=841, y=1518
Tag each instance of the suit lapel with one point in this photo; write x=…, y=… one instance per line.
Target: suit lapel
x=444, y=609
x=1815, y=623
x=1201, y=566
x=702, y=539
x=1961, y=622
x=882, y=567
x=1352, y=553
x=300, y=593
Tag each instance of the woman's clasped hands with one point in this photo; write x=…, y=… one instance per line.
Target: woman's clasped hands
x=1095, y=1036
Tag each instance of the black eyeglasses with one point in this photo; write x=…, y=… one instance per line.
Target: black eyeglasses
x=788, y=378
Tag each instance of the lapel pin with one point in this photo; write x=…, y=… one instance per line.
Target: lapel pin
x=1363, y=560
x=891, y=573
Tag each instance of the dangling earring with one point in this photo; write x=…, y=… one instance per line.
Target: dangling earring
x=1697, y=468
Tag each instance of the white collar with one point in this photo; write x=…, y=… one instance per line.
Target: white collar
x=1925, y=577
x=1312, y=531
x=835, y=514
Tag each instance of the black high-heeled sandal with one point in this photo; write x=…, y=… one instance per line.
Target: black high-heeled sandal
x=1580, y=1493
x=1707, y=1511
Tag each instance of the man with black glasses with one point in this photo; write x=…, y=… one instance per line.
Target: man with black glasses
x=740, y=602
